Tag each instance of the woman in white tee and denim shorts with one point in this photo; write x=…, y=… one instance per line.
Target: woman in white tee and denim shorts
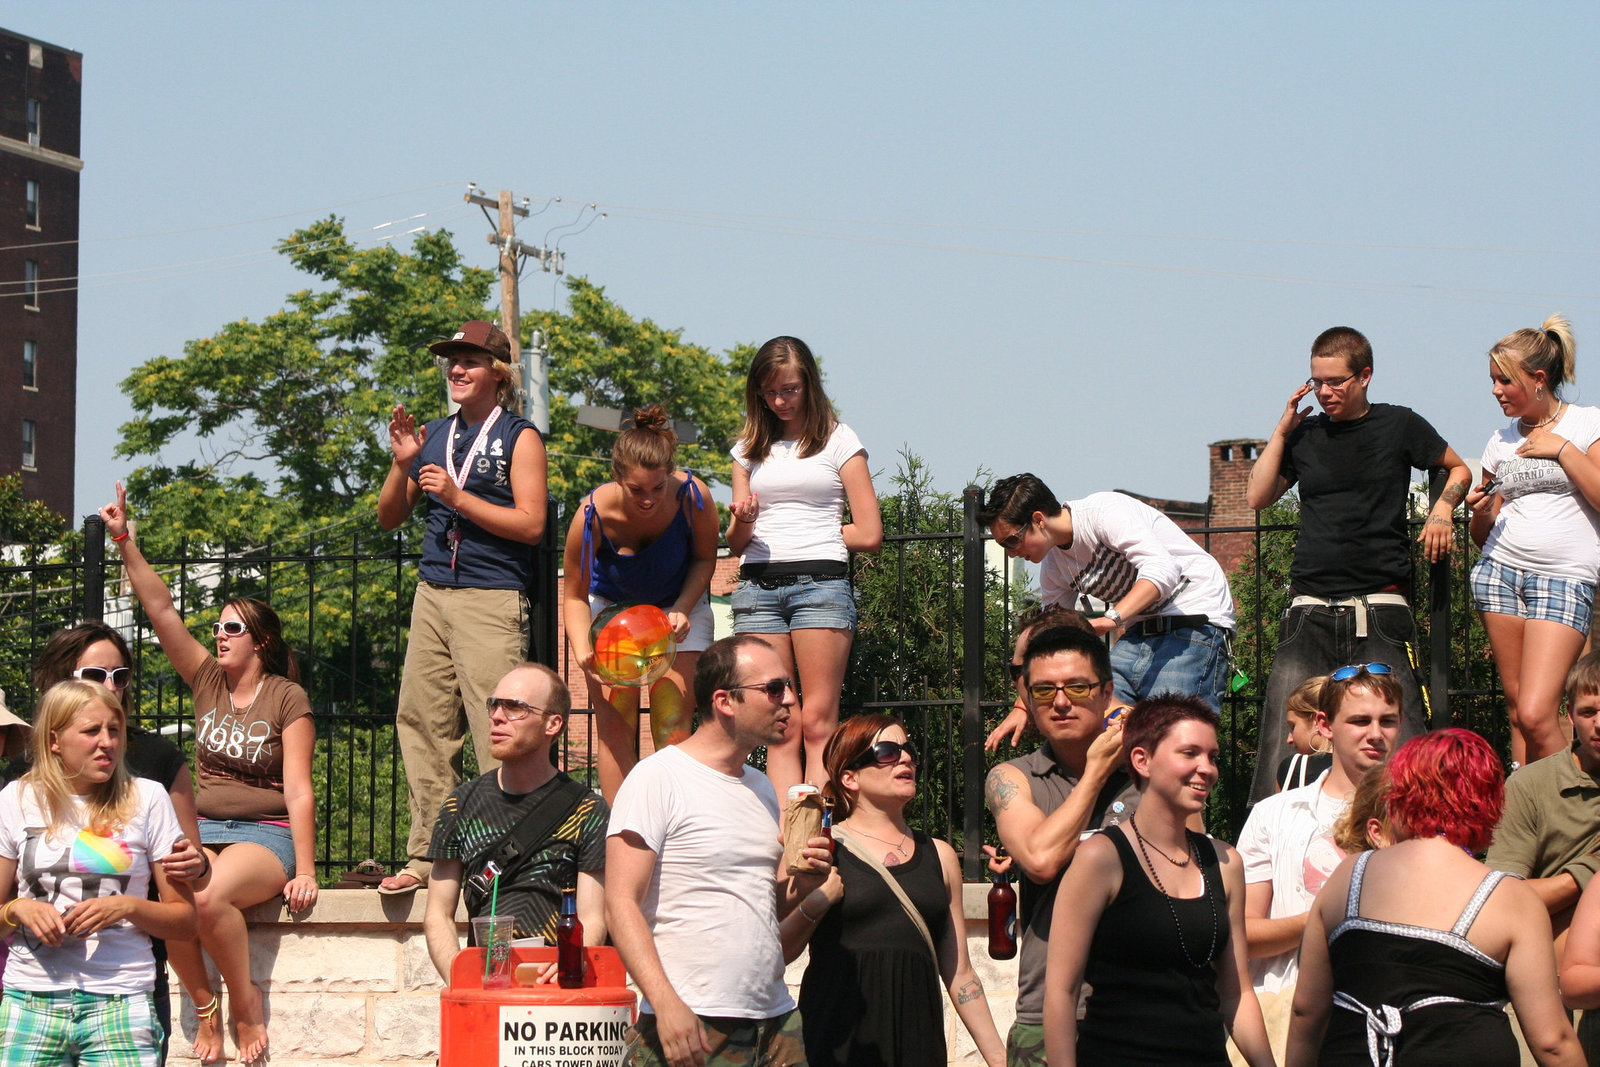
x=1536, y=524
x=795, y=466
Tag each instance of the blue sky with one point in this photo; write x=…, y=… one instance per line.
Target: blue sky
x=1080, y=239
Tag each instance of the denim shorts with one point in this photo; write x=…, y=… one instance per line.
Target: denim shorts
x=1503, y=590
x=277, y=839
x=807, y=604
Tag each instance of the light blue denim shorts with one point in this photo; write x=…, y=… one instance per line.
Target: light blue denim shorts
x=235, y=831
x=807, y=604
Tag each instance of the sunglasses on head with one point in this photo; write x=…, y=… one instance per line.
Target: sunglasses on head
x=884, y=753
x=774, y=688
x=116, y=677
x=1014, y=671
x=1344, y=674
x=233, y=628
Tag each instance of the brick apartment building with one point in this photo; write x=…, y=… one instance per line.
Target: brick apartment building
x=41, y=91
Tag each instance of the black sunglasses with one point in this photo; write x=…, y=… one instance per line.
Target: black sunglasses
x=1014, y=671
x=774, y=688
x=884, y=753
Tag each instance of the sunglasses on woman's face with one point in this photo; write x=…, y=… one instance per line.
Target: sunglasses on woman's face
x=232, y=627
x=1344, y=674
x=116, y=677
x=884, y=753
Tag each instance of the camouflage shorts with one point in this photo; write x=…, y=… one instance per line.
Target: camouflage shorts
x=774, y=1042
x=1025, y=1046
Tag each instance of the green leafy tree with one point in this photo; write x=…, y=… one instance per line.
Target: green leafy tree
x=602, y=356
x=39, y=584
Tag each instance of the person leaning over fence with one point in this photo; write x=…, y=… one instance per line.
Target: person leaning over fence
x=523, y=832
x=1166, y=597
x=1535, y=519
x=483, y=471
x=94, y=652
x=253, y=742
x=80, y=839
x=648, y=536
x=1351, y=576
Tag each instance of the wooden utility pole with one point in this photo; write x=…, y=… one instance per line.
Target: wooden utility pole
x=535, y=374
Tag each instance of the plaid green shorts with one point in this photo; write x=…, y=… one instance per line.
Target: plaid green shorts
x=1025, y=1046
x=71, y=1026
x=774, y=1042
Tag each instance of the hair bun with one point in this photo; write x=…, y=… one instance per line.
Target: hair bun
x=651, y=417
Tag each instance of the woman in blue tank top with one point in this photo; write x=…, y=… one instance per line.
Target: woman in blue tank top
x=649, y=536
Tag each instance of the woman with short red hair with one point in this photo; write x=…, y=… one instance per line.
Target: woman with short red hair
x=1411, y=953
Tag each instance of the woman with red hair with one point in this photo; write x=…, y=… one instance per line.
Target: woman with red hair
x=1411, y=953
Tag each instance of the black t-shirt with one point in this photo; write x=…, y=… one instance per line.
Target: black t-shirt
x=1354, y=479
x=478, y=812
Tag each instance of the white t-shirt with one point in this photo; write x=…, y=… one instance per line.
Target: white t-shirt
x=1545, y=525
x=801, y=500
x=77, y=864
x=1288, y=841
x=1117, y=540
x=712, y=900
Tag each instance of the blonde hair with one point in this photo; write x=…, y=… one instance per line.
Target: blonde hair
x=111, y=803
x=1368, y=802
x=1303, y=702
x=1549, y=348
x=508, y=390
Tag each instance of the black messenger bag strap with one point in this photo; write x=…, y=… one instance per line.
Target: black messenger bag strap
x=530, y=833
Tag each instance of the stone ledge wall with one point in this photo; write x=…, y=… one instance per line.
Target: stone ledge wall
x=350, y=982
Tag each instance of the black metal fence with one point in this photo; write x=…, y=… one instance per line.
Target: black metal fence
x=937, y=610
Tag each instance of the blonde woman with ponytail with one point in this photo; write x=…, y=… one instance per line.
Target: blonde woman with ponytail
x=1535, y=518
x=648, y=536
x=80, y=841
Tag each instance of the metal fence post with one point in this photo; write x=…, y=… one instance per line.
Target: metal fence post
x=544, y=599
x=972, y=635
x=94, y=568
x=1439, y=619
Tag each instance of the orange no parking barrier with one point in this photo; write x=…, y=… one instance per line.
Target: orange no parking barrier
x=535, y=1025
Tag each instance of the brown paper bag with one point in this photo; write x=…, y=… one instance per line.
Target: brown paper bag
x=802, y=821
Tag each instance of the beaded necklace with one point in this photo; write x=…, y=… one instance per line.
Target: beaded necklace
x=1205, y=884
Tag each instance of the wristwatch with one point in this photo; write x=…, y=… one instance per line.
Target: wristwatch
x=1114, y=615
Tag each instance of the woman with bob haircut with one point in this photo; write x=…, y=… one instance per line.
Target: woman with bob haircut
x=648, y=536
x=795, y=467
x=80, y=841
x=1534, y=517
x=870, y=995
x=253, y=742
x=1415, y=949
x=94, y=652
x=1151, y=915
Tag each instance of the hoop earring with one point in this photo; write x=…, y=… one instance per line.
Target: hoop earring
x=1320, y=746
x=1538, y=392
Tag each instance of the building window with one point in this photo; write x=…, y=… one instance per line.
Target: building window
x=33, y=203
x=30, y=443
x=30, y=365
x=30, y=284
x=33, y=122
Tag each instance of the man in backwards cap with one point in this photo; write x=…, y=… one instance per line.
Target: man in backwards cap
x=483, y=470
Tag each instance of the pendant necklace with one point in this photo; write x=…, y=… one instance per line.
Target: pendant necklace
x=890, y=859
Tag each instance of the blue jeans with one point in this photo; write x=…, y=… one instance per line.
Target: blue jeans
x=1192, y=660
x=1314, y=640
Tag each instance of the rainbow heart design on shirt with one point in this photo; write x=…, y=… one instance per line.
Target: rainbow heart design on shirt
x=93, y=854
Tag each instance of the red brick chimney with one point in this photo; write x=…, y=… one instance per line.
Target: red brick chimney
x=1231, y=462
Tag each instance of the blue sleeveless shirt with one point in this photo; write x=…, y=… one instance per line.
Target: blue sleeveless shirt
x=653, y=575
x=484, y=561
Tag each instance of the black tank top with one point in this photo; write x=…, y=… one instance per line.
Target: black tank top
x=1149, y=1004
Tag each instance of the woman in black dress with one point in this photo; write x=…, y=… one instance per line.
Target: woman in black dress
x=1411, y=952
x=870, y=996
x=1146, y=913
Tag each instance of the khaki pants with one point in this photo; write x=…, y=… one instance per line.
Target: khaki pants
x=463, y=641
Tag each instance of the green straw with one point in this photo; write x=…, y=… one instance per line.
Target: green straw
x=494, y=903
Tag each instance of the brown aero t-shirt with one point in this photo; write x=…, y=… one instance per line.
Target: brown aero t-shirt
x=240, y=752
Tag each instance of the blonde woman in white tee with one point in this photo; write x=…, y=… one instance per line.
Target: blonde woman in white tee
x=1534, y=517
x=795, y=467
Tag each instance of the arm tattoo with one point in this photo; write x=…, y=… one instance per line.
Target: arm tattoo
x=1453, y=494
x=1001, y=790
x=969, y=992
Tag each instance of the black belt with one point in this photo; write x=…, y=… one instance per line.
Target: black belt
x=778, y=575
x=1165, y=624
